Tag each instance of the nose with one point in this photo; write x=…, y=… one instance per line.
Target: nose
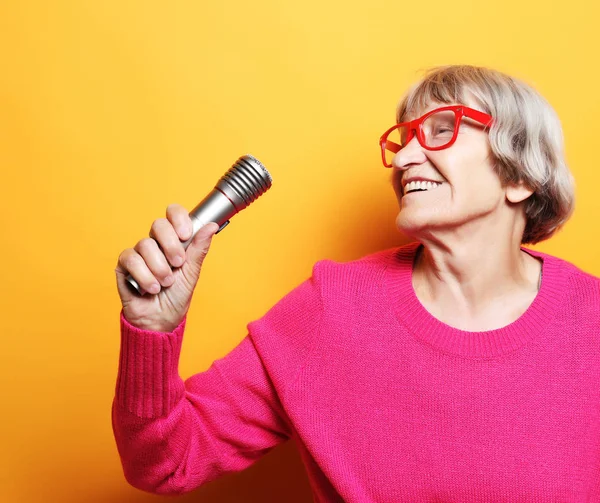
x=411, y=153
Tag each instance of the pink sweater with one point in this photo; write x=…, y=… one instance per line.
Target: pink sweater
x=384, y=402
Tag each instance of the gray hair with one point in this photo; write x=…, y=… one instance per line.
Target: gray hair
x=526, y=137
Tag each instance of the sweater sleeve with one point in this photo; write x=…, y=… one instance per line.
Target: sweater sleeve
x=173, y=435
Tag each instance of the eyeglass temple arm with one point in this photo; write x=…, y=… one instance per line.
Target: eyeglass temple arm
x=479, y=116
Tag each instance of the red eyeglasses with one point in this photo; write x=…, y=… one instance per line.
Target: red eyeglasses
x=436, y=130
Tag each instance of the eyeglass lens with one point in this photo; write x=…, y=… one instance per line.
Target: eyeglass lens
x=438, y=130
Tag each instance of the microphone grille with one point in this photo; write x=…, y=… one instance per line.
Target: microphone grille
x=245, y=181
x=258, y=164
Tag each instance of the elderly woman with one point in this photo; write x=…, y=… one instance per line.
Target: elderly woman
x=461, y=367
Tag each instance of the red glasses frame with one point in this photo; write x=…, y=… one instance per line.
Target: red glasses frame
x=416, y=126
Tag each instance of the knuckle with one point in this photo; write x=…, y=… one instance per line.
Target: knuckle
x=123, y=256
x=130, y=260
x=145, y=244
x=175, y=214
x=158, y=224
x=173, y=208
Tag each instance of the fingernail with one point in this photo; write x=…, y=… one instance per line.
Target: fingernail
x=154, y=288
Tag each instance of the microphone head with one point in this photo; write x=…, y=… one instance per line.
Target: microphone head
x=245, y=181
x=257, y=165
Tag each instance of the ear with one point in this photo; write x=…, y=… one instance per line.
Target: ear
x=516, y=193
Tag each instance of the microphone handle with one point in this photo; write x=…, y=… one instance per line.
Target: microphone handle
x=215, y=207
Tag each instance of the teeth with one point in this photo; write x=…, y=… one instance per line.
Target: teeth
x=420, y=185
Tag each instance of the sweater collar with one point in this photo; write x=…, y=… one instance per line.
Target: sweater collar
x=411, y=314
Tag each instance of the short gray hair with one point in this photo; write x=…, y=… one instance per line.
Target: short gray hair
x=526, y=137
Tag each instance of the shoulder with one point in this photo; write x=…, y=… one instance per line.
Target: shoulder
x=580, y=285
x=583, y=285
x=335, y=273
x=330, y=281
x=573, y=272
x=288, y=332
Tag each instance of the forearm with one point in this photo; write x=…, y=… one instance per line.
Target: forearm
x=174, y=435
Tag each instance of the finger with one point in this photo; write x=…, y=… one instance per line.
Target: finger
x=201, y=242
x=131, y=262
x=163, y=232
x=180, y=220
x=155, y=261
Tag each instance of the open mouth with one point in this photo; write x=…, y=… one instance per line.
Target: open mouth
x=420, y=187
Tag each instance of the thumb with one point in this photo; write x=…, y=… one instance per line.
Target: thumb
x=198, y=248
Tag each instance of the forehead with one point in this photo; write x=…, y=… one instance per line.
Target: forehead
x=421, y=105
x=415, y=114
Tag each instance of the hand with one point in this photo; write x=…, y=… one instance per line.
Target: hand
x=163, y=307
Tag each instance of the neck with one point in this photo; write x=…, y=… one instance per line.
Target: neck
x=472, y=280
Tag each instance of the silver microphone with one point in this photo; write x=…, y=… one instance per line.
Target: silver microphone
x=243, y=183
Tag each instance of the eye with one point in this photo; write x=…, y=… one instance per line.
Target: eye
x=444, y=129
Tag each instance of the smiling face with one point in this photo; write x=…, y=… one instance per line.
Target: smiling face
x=470, y=190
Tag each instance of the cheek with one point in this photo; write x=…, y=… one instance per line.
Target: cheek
x=396, y=182
x=467, y=166
x=450, y=163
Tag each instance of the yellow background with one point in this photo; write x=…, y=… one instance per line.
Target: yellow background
x=112, y=110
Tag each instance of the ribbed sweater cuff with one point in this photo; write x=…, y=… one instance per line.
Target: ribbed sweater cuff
x=148, y=381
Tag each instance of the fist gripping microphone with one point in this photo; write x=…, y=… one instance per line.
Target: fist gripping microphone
x=244, y=182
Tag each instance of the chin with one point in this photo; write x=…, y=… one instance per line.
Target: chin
x=408, y=226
